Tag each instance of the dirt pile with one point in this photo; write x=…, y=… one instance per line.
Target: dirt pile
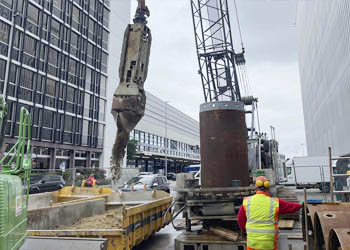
x=112, y=219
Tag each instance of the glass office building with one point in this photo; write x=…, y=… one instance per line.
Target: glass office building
x=324, y=45
x=53, y=61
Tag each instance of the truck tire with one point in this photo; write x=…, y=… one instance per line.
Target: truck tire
x=34, y=190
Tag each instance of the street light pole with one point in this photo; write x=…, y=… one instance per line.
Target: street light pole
x=166, y=138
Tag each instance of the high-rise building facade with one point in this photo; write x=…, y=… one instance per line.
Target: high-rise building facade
x=53, y=61
x=324, y=32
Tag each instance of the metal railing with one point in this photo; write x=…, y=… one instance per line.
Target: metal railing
x=332, y=176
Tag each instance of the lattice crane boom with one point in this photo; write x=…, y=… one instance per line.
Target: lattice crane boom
x=216, y=55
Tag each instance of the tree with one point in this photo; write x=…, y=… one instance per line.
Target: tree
x=131, y=149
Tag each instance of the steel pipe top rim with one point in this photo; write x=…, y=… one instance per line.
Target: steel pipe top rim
x=222, y=105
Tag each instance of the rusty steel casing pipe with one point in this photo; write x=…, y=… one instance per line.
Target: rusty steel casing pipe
x=223, y=144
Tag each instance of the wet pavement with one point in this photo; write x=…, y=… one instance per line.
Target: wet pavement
x=163, y=240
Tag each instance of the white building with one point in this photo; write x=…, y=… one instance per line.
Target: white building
x=324, y=31
x=161, y=120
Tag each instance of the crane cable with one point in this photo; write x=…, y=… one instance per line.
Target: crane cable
x=239, y=25
x=257, y=114
x=243, y=70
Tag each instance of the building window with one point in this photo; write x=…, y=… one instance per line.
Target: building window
x=92, y=8
x=77, y=134
x=64, y=67
x=57, y=7
x=70, y=99
x=92, y=33
x=88, y=79
x=29, y=49
x=106, y=17
x=85, y=133
x=2, y=74
x=50, y=93
x=102, y=110
x=67, y=12
x=61, y=96
x=36, y=116
x=104, y=62
x=43, y=57
x=65, y=35
x=103, y=86
x=7, y=3
x=47, y=125
x=73, y=71
x=4, y=38
x=87, y=105
x=26, y=85
x=5, y=9
x=84, y=24
x=76, y=18
x=55, y=33
x=101, y=131
x=32, y=19
x=90, y=54
x=45, y=26
x=69, y=127
x=105, y=36
x=53, y=62
x=48, y=119
x=74, y=44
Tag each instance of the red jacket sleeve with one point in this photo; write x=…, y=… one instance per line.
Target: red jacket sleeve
x=286, y=207
x=242, y=218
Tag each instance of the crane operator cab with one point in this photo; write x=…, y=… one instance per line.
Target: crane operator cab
x=13, y=203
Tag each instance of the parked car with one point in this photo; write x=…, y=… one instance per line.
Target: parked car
x=145, y=173
x=171, y=176
x=153, y=182
x=47, y=183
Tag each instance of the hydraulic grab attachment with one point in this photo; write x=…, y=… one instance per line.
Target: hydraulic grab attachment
x=129, y=99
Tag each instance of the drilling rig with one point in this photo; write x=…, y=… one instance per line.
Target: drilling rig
x=223, y=134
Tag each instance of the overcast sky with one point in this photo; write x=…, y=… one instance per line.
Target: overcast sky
x=270, y=39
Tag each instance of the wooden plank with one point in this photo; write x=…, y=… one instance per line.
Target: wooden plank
x=224, y=233
x=286, y=224
x=295, y=237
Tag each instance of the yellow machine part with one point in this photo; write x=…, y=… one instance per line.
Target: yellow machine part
x=74, y=193
x=93, y=183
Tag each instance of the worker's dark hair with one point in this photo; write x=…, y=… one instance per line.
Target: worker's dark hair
x=262, y=188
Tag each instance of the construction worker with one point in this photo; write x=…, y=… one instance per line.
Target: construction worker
x=91, y=180
x=258, y=216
